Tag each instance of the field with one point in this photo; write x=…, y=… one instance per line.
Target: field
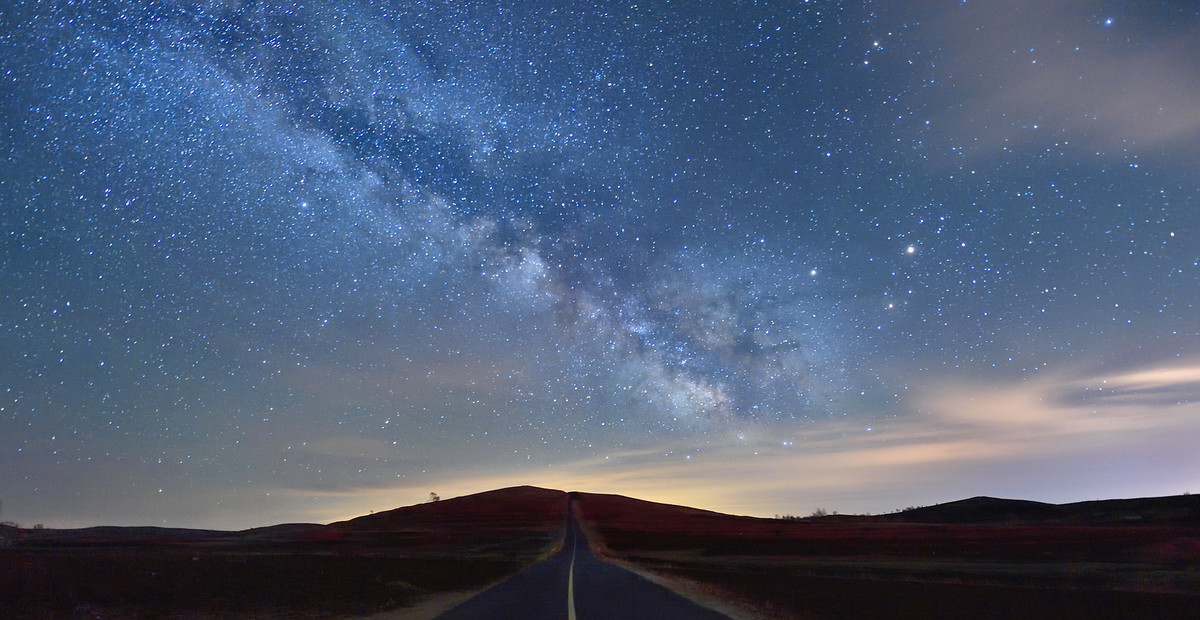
x=980, y=559
x=974, y=559
x=379, y=562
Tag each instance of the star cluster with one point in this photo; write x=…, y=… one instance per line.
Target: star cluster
x=258, y=258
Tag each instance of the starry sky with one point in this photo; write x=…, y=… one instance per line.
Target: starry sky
x=268, y=262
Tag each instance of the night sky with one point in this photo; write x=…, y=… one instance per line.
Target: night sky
x=268, y=262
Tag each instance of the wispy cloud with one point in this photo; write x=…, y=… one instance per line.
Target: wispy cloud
x=988, y=439
x=1017, y=72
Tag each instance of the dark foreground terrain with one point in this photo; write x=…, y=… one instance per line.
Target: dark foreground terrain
x=383, y=561
x=978, y=558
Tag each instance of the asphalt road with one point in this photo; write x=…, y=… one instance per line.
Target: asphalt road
x=575, y=585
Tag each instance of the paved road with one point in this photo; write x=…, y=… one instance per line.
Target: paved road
x=575, y=585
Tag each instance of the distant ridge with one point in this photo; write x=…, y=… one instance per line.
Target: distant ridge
x=1181, y=509
x=529, y=505
x=979, y=509
x=1184, y=509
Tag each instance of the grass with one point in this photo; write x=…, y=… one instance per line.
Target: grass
x=381, y=562
x=861, y=567
x=157, y=583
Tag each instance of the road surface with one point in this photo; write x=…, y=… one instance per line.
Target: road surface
x=575, y=585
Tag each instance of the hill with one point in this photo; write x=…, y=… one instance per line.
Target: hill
x=1180, y=509
x=523, y=505
x=382, y=561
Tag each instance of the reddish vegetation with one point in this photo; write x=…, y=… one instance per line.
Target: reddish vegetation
x=979, y=558
x=1100, y=560
x=628, y=524
x=381, y=561
x=489, y=518
x=517, y=508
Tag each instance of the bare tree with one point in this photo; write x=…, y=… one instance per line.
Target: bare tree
x=433, y=497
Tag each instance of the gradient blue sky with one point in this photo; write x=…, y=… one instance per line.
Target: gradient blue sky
x=265, y=262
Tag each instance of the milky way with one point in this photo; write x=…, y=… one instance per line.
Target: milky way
x=273, y=261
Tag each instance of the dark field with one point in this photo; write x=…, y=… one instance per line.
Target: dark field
x=379, y=562
x=1121, y=559
x=977, y=559
x=163, y=583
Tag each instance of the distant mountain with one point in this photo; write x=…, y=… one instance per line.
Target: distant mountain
x=525, y=504
x=977, y=510
x=108, y=534
x=1183, y=509
x=487, y=514
x=524, y=508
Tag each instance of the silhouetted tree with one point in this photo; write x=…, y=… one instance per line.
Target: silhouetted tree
x=433, y=497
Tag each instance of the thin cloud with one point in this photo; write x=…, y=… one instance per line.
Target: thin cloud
x=970, y=440
x=1162, y=377
x=1019, y=74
